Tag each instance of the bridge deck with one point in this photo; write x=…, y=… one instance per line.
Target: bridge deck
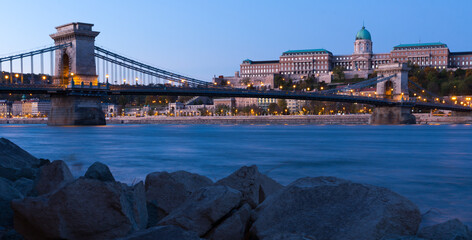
x=220, y=92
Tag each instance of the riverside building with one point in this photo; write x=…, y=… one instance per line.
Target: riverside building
x=319, y=62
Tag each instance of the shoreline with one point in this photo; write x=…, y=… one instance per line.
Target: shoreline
x=353, y=119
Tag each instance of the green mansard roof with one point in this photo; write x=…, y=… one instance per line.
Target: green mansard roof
x=307, y=51
x=420, y=44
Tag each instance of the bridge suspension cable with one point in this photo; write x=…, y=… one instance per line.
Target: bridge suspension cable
x=145, y=68
x=19, y=76
x=359, y=85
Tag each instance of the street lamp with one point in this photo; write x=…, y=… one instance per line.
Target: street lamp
x=136, y=80
x=106, y=76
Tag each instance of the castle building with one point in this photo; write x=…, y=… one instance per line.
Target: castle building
x=319, y=62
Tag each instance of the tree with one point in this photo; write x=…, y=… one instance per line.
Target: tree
x=338, y=74
x=274, y=108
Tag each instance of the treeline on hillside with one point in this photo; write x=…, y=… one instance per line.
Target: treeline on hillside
x=442, y=82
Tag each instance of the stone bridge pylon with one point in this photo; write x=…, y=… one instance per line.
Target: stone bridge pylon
x=396, y=89
x=77, y=63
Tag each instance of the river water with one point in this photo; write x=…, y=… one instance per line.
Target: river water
x=431, y=165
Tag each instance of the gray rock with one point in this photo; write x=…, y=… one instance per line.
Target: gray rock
x=166, y=191
x=52, y=177
x=450, y=230
x=292, y=236
x=234, y=227
x=204, y=208
x=254, y=185
x=12, y=235
x=163, y=233
x=7, y=194
x=12, y=156
x=331, y=208
x=432, y=217
x=82, y=209
x=100, y=172
x=24, y=186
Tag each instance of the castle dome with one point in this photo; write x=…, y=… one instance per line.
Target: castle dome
x=363, y=34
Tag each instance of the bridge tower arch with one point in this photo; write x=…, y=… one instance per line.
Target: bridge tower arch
x=395, y=88
x=78, y=60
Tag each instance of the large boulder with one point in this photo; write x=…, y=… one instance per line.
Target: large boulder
x=204, y=209
x=16, y=162
x=163, y=233
x=450, y=230
x=333, y=209
x=100, y=172
x=12, y=156
x=7, y=194
x=166, y=191
x=254, y=185
x=52, y=177
x=82, y=209
x=24, y=186
x=234, y=227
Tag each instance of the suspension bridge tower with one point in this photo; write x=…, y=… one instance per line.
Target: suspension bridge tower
x=76, y=62
x=396, y=89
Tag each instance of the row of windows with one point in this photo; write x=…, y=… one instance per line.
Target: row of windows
x=463, y=58
x=260, y=71
x=303, y=58
x=258, y=67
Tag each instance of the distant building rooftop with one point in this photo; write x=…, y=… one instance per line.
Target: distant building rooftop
x=420, y=44
x=260, y=62
x=307, y=51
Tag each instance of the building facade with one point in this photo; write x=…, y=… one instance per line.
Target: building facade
x=319, y=62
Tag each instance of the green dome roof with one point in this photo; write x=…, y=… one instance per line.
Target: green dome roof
x=363, y=34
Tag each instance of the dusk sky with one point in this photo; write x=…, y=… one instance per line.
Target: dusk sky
x=206, y=38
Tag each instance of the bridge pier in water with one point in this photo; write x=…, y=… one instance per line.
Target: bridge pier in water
x=392, y=115
x=76, y=110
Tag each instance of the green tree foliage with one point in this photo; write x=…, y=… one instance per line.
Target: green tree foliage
x=442, y=82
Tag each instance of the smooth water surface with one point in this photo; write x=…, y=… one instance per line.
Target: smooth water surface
x=431, y=165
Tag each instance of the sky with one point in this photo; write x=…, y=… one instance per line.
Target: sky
x=203, y=38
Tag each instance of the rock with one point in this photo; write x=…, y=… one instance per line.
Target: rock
x=24, y=186
x=432, y=217
x=332, y=208
x=12, y=235
x=12, y=156
x=254, y=185
x=292, y=236
x=7, y=194
x=234, y=227
x=450, y=230
x=166, y=191
x=100, y=172
x=52, y=177
x=204, y=208
x=163, y=233
x=82, y=209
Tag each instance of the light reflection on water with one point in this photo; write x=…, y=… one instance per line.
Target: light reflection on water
x=431, y=165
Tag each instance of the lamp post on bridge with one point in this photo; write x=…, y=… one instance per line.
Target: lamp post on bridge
x=106, y=76
x=136, y=81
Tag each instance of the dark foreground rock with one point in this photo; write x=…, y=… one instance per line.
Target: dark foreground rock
x=167, y=191
x=234, y=227
x=204, y=209
x=100, y=172
x=52, y=176
x=450, y=230
x=82, y=209
x=331, y=208
x=13, y=157
x=254, y=185
x=7, y=194
x=162, y=233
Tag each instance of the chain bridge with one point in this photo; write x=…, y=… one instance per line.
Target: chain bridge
x=81, y=73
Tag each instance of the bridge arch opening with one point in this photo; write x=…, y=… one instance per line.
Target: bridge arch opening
x=65, y=68
x=389, y=89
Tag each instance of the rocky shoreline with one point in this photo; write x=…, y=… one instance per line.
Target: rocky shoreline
x=40, y=199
